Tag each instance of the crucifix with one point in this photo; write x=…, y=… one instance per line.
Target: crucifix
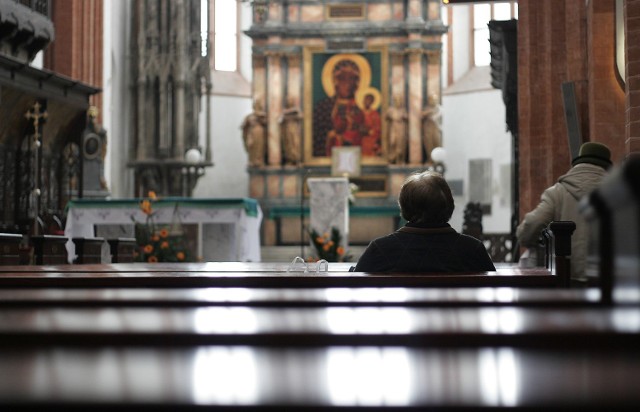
x=38, y=117
x=35, y=114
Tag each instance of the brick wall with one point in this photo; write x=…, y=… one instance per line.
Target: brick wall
x=76, y=51
x=606, y=91
x=632, y=60
x=567, y=41
x=551, y=50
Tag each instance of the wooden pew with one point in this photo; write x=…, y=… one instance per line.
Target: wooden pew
x=613, y=214
x=273, y=348
x=336, y=358
x=49, y=249
x=11, y=249
x=434, y=327
x=123, y=249
x=146, y=276
x=296, y=297
x=255, y=337
x=558, y=250
x=88, y=250
x=316, y=379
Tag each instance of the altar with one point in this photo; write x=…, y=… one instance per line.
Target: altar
x=228, y=229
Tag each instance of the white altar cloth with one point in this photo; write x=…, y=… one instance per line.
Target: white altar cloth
x=229, y=229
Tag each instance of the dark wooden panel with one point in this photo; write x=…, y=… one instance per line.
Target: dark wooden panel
x=49, y=250
x=524, y=278
x=89, y=250
x=10, y=249
x=123, y=250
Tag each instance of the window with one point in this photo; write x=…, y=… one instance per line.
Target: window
x=225, y=35
x=482, y=13
x=223, y=30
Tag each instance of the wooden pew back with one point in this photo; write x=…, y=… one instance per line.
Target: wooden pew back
x=49, y=249
x=613, y=214
x=89, y=250
x=11, y=249
x=123, y=249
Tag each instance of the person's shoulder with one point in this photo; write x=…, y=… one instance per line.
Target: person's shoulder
x=582, y=169
x=468, y=240
x=386, y=239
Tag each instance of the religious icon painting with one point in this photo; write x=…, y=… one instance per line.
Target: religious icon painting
x=344, y=98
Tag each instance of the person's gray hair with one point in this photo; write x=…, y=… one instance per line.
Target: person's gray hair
x=425, y=197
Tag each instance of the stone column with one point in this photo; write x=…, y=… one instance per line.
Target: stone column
x=414, y=108
x=329, y=206
x=274, y=108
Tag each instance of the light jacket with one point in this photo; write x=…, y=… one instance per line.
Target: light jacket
x=560, y=202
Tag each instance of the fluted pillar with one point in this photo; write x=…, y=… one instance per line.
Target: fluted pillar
x=294, y=78
x=415, y=106
x=274, y=108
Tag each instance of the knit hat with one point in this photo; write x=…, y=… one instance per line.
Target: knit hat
x=594, y=153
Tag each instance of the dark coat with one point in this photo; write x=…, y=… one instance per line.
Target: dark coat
x=425, y=250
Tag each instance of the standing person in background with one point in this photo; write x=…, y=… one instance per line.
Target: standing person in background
x=426, y=244
x=560, y=202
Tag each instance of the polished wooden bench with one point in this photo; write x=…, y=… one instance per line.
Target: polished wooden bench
x=434, y=327
x=317, y=379
x=297, y=297
x=323, y=358
x=146, y=276
x=257, y=337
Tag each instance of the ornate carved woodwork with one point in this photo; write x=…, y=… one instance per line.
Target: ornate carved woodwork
x=172, y=74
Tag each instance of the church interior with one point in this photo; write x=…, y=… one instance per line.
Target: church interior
x=185, y=186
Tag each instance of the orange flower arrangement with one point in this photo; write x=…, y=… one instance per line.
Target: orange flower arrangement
x=156, y=244
x=328, y=246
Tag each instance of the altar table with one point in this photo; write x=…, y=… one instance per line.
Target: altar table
x=228, y=229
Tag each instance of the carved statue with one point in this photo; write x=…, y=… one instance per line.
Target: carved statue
x=431, y=127
x=290, y=132
x=254, y=134
x=397, y=117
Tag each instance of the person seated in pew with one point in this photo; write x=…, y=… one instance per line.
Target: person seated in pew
x=560, y=202
x=426, y=244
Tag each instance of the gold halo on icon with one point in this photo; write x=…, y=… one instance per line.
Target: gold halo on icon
x=362, y=92
x=359, y=60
